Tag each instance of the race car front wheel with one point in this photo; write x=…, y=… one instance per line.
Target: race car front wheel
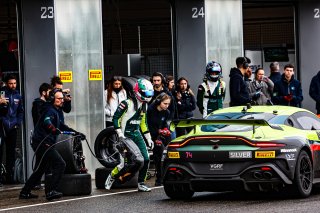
x=303, y=178
x=178, y=191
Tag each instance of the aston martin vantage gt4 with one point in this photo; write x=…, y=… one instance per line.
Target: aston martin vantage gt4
x=258, y=148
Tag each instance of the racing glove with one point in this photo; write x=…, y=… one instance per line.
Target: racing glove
x=120, y=133
x=165, y=132
x=288, y=98
x=149, y=140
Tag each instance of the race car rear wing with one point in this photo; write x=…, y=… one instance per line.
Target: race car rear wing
x=198, y=122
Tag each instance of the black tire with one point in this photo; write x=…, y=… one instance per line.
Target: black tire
x=104, y=149
x=73, y=184
x=71, y=152
x=303, y=177
x=178, y=191
x=101, y=177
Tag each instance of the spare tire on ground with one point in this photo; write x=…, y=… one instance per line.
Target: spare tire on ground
x=101, y=177
x=73, y=184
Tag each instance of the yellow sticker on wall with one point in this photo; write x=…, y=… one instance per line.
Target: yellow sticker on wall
x=173, y=155
x=265, y=154
x=95, y=75
x=65, y=76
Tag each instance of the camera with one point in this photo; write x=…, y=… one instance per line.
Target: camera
x=66, y=93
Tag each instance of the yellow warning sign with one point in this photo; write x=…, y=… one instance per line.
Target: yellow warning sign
x=95, y=75
x=65, y=76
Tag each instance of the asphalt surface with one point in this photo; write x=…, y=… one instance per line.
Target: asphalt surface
x=129, y=200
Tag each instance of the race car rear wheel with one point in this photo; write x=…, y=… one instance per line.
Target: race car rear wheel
x=303, y=178
x=178, y=191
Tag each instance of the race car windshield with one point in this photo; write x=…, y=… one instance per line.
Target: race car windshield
x=271, y=118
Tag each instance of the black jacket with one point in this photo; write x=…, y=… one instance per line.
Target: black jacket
x=314, y=91
x=156, y=120
x=185, y=105
x=239, y=93
x=36, y=110
x=51, y=120
x=284, y=88
x=275, y=76
x=15, y=113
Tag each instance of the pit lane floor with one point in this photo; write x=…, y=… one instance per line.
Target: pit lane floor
x=129, y=200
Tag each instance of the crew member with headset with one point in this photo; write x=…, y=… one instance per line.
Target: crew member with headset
x=157, y=117
x=239, y=91
x=212, y=91
x=50, y=124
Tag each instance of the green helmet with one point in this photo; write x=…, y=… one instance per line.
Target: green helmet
x=143, y=90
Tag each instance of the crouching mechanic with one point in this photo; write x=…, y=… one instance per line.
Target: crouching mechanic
x=129, y=117
x=50, y=124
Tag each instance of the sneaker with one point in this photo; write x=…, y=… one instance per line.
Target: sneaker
x=27, y=195
x=53, y=195
x=143, y=187
x=110, y=180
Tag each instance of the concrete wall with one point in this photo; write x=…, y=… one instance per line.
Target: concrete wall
x=37, y=56
x=190, y=43
x=309, y=46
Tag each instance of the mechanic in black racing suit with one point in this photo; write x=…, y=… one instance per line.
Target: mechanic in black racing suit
x=50, y=124
x=129, y=117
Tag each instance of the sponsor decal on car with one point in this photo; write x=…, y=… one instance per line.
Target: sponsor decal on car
x=216, y=166
x=240, y=154
x=173, y=155
x=290, y=156
x=265, y=154
x=288, y=150
x=188, y=154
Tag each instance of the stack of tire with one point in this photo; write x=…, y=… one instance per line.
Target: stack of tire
x=76, y=180
x=104, y=150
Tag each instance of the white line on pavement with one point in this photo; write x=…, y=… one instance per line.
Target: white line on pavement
x=74, y=199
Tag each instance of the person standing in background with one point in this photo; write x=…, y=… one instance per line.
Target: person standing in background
x=114, y=95
x=38, y=108
x=261, y=88
x=314, y=91
x=11, y=121
x=275, y=74
x=158, y=81
x=239, y=91
x=212, y=91
x=37, y=104
x=170, y=84
x=186, y=103
x=288, y=90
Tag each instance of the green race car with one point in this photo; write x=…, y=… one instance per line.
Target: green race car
x=258, y=148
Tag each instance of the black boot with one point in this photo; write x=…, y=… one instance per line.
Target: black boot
x=27, y=195
x=53, y=195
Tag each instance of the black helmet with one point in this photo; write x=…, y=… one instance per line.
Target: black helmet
x=213, y=71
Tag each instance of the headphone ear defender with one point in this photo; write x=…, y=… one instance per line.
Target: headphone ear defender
x=245, y=63
x=52, y=93
x=159, y=98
